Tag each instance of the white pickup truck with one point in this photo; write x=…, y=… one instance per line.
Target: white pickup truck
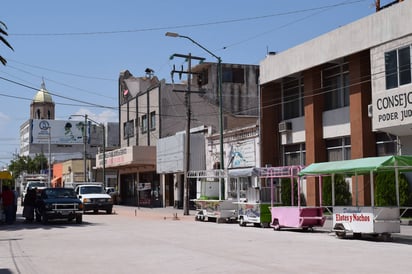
x=94, y=198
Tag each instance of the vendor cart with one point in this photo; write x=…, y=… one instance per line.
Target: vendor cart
x=4, y=175
x=253, y=196
x=355, y=219
x=210, y=202
x=294, y=216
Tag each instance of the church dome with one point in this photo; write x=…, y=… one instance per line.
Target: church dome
x=43, y=96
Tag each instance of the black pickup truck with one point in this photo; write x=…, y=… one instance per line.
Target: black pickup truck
x=59, y=203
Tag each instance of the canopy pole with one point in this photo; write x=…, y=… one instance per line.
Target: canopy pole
x=357, y=190
x=372, y=190
x=397, y=183
x=333, y=189
x=320, y=191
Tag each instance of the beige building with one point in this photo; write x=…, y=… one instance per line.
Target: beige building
x=151, y=109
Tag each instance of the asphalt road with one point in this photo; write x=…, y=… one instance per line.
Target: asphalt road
x=145, y=240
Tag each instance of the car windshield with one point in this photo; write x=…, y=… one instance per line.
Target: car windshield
x=59, y=193
x=36, y=184
x=91, y=189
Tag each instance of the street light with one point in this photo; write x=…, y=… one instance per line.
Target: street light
x=86, y=119
x=219, y=90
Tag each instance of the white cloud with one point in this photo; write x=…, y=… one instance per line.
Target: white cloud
x=102, y=117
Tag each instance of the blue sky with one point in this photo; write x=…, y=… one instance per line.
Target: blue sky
x=79, y=47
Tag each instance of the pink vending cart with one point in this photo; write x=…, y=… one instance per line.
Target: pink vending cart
x=294, y=216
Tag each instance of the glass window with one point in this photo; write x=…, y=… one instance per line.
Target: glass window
x=144, y=123
x=336, y=86
x=294, y=154
x=128, y=129
x=152, y=120
x=292, y=90
x=338, y=149
x=233, y=75
x=386, y=144
x=404, y=66
x=391, y=69
x=398, y=67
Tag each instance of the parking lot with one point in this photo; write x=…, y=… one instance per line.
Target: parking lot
x=145, y=240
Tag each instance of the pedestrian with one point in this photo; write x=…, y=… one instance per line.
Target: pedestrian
x=7, y=198
x=16, y=197
x=29, y=205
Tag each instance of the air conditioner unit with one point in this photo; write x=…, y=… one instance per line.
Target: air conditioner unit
x=285, y=126
x=370, y=111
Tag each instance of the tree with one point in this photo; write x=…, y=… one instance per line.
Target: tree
x=385, y=190
x=28, y=165
x=342, y=193
x=3, y=32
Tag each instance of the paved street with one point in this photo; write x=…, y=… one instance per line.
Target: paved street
x=148, y=240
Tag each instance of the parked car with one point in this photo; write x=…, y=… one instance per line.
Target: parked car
x=94, y=198
x=38, y=185
x=114, y=194
x=58, y=203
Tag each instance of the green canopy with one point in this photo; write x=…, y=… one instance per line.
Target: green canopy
x=359, y=166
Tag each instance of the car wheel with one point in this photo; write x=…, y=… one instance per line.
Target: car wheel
x=79, y=218
x=109, y=211
x=242, y=222
x=96, y=211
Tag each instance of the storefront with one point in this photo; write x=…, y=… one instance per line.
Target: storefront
x=138, y=183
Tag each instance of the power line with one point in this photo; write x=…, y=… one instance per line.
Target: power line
x=229, y=21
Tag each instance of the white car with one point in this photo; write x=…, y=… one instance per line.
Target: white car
x=94, y=198
x=38, y=185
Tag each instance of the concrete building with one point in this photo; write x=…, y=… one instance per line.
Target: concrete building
x=151, y=109
x=343, y=95
x=62, y=140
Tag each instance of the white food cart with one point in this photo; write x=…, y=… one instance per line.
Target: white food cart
x=355, y=219
x=210, y=201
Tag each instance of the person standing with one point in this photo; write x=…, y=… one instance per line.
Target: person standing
x=29, y=205
x=16, y=197
x=7, y=197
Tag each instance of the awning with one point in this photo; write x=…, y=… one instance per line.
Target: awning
x=241, y=172
x=359, y=166
x=5, y=175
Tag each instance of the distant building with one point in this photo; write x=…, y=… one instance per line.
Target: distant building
x=62, y=140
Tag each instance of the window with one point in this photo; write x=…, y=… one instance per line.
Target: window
x=386, y=144
x=398, y=67
x=128, y=129
x=144, y=123
x=292, y=97
x=338, y=149
x=153, y=120
x=294, y=154
x=233, y=75
x=336, y=86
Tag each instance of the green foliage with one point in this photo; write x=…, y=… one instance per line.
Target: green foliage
x=385, y=189
x=342, y=193
x=3, y=32
x=28, y=165
x=286, y=192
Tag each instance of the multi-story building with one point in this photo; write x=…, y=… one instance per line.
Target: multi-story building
x=151, y=109
x=343, y=95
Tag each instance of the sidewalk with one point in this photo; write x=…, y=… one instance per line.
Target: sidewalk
x=161, y=213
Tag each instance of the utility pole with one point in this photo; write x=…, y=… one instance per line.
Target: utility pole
x=189, y=73
x=85, y=148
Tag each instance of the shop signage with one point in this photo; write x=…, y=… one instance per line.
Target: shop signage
x=393, y=109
